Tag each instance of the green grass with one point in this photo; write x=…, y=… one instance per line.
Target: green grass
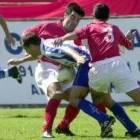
x=26, y=124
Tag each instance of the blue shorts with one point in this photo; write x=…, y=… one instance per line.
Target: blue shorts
x=81, y=78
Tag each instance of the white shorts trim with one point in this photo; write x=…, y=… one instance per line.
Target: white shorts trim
x=105, y=61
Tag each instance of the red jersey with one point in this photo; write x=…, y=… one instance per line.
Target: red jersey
x=103, y=39
x=47, y=30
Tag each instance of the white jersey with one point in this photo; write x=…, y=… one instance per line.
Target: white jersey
x=58, y=54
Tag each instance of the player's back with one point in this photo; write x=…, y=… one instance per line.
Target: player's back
x=103, y=39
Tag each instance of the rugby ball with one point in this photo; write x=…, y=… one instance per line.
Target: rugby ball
x=66, y=74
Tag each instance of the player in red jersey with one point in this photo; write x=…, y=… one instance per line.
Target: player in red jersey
x=107, y=65
x=12, y=72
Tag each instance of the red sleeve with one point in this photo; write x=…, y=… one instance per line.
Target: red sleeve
x=123, y=40
x=78, y=42
x=82, y=32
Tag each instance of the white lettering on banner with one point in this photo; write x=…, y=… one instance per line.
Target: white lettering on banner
x=28, y=92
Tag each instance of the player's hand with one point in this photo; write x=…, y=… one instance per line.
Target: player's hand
x=10, y=40
x=58, y=42
x=130, y=35
x=13, y=61
x=81, y=60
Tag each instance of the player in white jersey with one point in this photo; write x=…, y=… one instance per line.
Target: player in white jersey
x=39, y=47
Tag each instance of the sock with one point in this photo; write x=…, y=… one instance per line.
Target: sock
x=70, y=114
x=9, y=72
x=101, y=107
x=50, y=113
x=91, y=110
x=2, y=74
x=121, y=115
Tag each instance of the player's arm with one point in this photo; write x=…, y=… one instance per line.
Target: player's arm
x=80, y=59
x=80, y=33
x=4, y=26
x=130, y=36
x=70, y=36
x=17, y=61
x=126, y=40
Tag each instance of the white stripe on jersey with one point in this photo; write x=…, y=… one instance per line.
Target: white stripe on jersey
x=58, y=54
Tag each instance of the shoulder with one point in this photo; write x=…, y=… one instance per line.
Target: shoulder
x=51, y=24
x=46, y=23
x=113, y=26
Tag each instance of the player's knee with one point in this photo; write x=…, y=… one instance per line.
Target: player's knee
x=108, y=102
x=58, y=95
x=73, y=100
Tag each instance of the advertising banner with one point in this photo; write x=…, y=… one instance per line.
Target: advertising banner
x=28, y=92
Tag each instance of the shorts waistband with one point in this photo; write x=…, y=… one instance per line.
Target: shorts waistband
x=105, y=61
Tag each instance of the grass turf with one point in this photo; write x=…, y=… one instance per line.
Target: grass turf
x=26, y=124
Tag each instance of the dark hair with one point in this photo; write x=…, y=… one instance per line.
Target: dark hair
x=30, y=38
x=74, y=7
x=101, y=11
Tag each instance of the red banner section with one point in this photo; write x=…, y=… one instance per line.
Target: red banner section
x=18, y=1
x=55, y=8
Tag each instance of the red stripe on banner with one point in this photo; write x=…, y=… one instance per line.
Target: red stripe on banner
x=55, y=8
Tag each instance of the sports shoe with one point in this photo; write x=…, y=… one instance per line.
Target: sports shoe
x=109, y=133
x=106, y=126
x=15, y=74
x=133, y=134
x=47, y=134
x=65, y=131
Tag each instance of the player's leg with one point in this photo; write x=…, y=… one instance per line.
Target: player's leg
x=81, y=89
x=81, y=84
x=135, y=95
x=119, y=113
x=46, y=80
x=78, y=92
x=70, y=113
x=92, y=111
x=11, y=72
x=14, y=73
x=100, y=77
x=3, y=73
x=54, y=92
x=100, y=105
x=98, y=102
x=124, y=82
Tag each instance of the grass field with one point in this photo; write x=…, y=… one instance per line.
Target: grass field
x=25, y=124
